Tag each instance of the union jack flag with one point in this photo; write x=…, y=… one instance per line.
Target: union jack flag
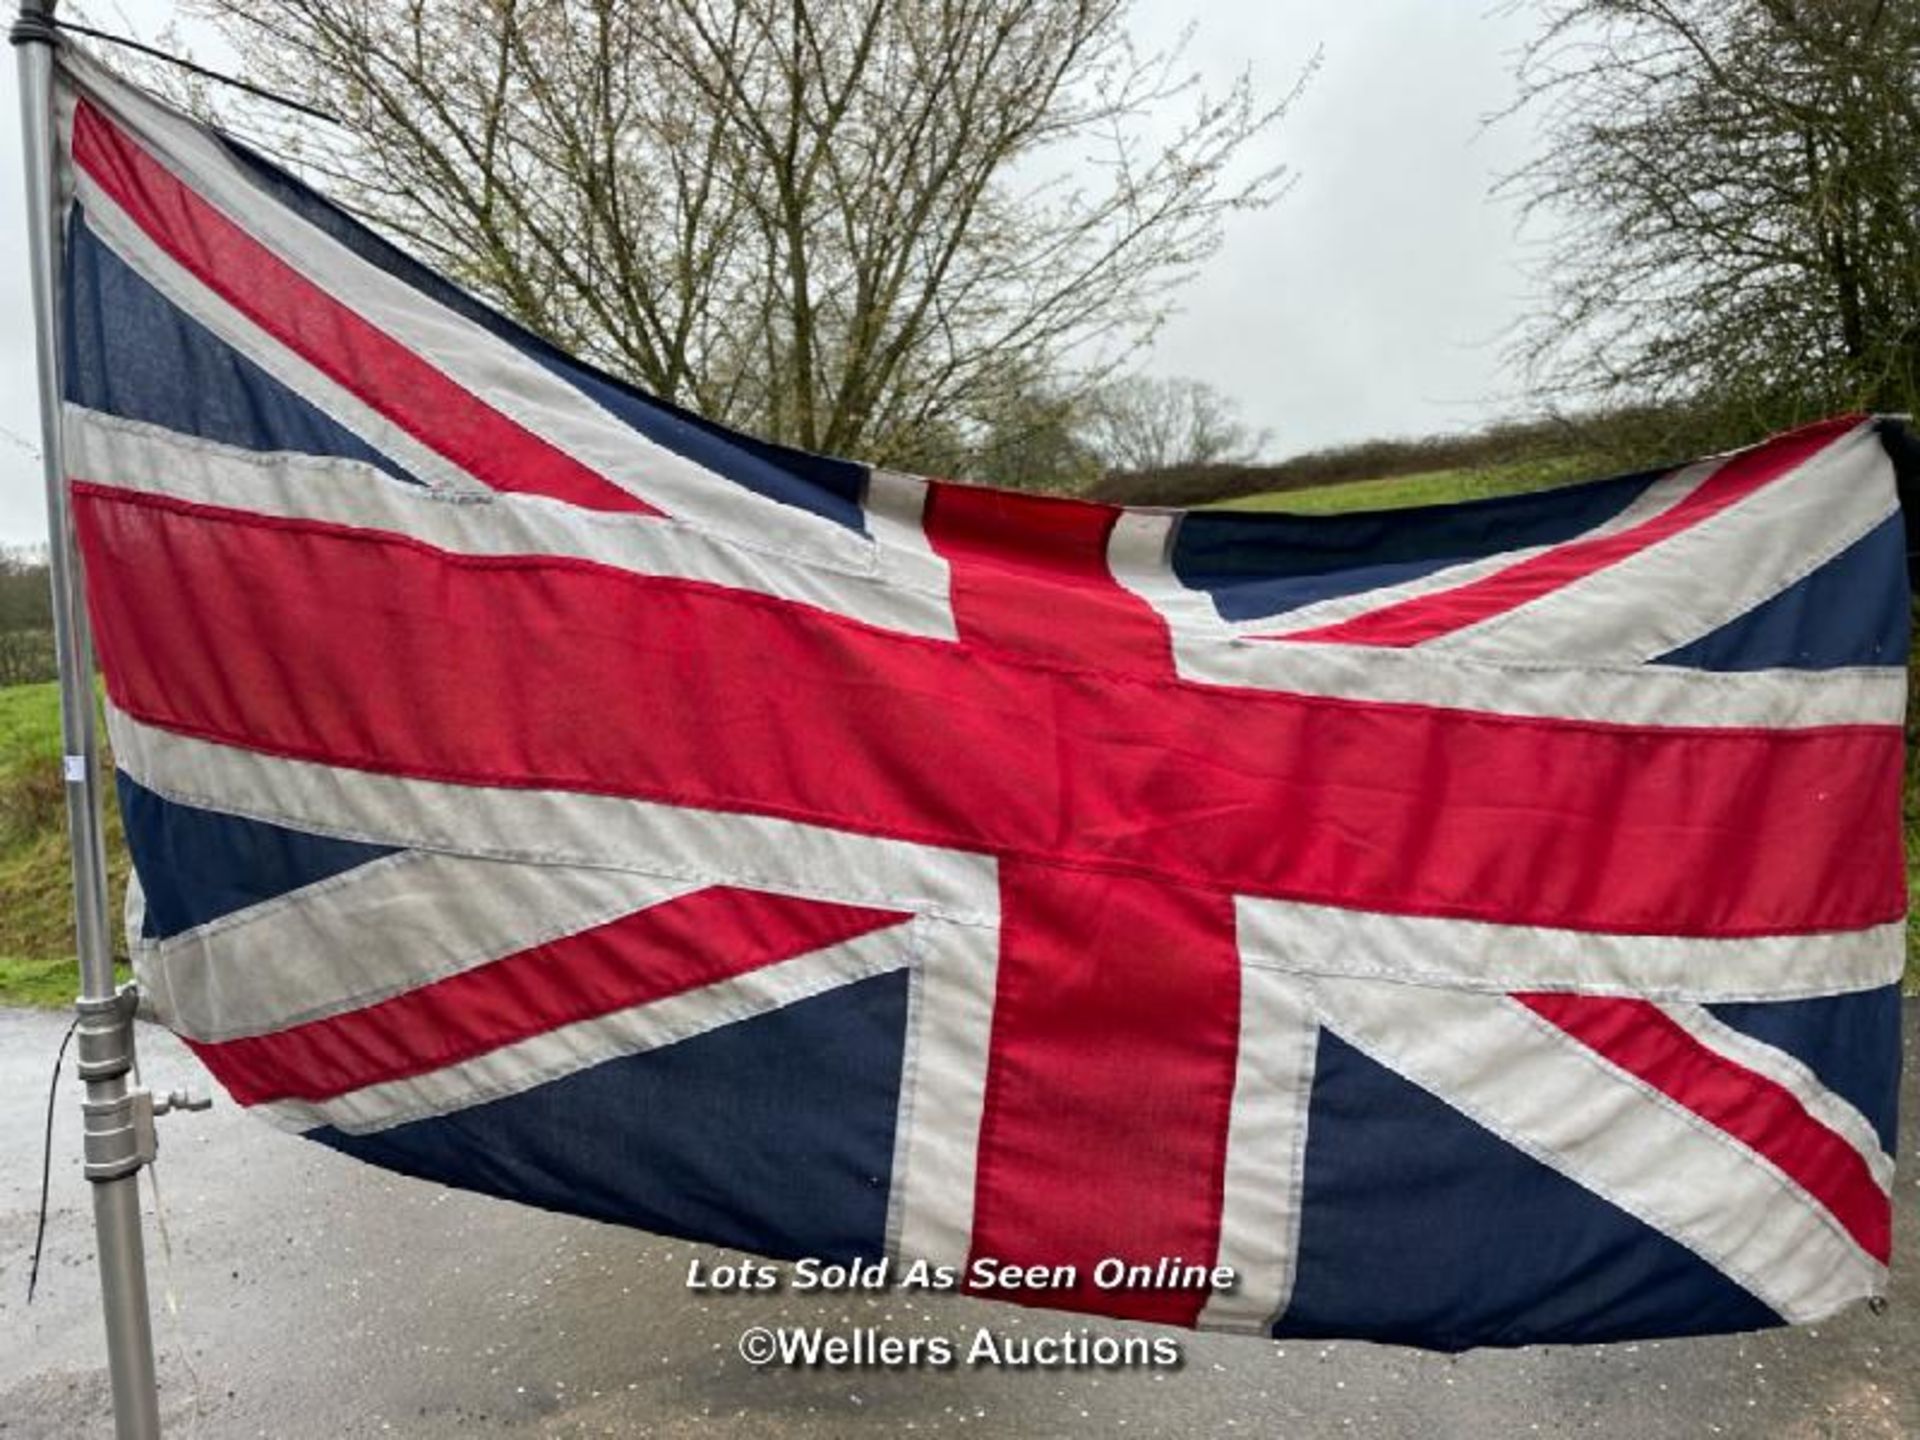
x=1474, y=924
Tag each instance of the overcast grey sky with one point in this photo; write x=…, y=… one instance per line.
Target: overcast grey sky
x=1370, y=301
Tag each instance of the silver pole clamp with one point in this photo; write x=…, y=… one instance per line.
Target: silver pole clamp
x=119, y=1130
x=106, y=1033
x=119, y=1135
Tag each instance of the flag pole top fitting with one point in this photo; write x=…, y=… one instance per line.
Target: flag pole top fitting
x=34, y=25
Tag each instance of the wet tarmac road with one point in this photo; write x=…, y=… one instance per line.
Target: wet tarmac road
x=315, y=1297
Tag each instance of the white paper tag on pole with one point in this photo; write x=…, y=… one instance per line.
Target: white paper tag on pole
x=76, y=769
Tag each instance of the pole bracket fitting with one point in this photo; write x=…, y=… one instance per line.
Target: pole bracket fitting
x=106, y=1033
x=120, y=1137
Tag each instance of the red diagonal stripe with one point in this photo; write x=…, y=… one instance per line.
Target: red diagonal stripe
x=666, y=949
x=1762, y=1114
x=1442, y=613
x=358, y=356
x=380, y=653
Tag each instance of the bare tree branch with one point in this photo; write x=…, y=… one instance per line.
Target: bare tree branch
x=1734, y=187
x=857, y=225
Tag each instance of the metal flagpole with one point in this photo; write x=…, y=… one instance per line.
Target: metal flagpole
x=118, y=1120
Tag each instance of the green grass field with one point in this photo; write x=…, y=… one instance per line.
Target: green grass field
x=36, y=924
x=1428, y=487
x=36, y=905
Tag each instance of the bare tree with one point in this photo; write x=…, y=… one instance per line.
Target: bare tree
x=1143, y=423
x=848, y=225
x=1036, y=440
x=1735, y=186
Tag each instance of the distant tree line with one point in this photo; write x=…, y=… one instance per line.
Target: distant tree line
x=1115, y=440
x=26, y=616
x=1602, y=440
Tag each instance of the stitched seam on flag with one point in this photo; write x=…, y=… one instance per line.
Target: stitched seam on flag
x=448, y=1046
x=284, y=266
x=279, y=360
x=815, y=820
x=530, y=1079
x=1789, y=1188
x=746, y=879
x=222, y=515
x=1456, y=572
x=523, y=1081
x=159, y=153
x=267, y=909
x=620, y=522
x=272, y=909
x=1219, y=1124
x=1729, y=612
x=1639, y=696
x=1491, y=627
x=1747, y=1279
x=1794, y=1076
x=422, y=979
x=1441, y=631
x=1306, y=1066
x=1462, y=660
x=1500, y=985
x=909, y=1088
x=78, y=414
x=403, y=493
x=1744, y=606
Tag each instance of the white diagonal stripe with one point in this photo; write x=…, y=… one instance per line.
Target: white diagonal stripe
x=1553, y=1098
x=470, y=355
x=1328, y=940
x=1691, y=583
x=1605, y=693
x=193, y=297
x=1140, y=553
x=1662, y=495
x=372, y=932
x=512, y=1069
x=1786, y=1071
x=1204, y=650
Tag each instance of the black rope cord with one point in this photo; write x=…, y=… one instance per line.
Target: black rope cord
x=129, y=43
x=46, y=1160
